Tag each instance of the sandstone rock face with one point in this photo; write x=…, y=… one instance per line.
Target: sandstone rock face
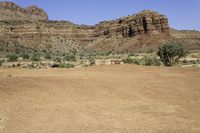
x=146, y=22
x=30, y=28
x=138, y=32
x=10, y=11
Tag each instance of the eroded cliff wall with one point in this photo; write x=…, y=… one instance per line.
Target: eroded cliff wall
x=30, y=28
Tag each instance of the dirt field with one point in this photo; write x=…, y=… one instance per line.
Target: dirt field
x=103, y=99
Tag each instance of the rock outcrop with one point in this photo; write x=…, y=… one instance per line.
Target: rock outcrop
x=30, y=28
x=10, y=11
x=146, y=22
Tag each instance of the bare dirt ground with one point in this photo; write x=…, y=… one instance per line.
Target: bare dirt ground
x=100, y=99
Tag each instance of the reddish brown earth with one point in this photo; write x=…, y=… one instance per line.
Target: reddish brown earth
x=100, y=99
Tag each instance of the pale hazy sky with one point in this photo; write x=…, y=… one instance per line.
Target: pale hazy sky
x=182, y=14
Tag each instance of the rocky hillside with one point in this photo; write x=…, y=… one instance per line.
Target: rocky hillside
x=10, y=11
x=189, y=38
x=29, y=28
x=133, y=33
x=146, y=22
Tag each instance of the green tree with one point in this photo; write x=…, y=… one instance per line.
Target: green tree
x=171, y=52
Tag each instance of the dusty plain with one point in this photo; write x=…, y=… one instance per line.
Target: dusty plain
x=100, y=99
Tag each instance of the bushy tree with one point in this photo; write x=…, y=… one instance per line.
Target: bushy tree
x=171, y=52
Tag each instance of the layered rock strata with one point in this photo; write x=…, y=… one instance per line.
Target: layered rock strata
x=30, y=28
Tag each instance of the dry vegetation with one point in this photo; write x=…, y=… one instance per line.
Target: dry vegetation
x=100, y=99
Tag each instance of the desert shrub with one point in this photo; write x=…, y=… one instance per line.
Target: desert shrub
x=58, y=59
x=132, y=61
x=68, y=65
x=17, y=51
x=61, y=66
x=70, y=58
x=149, y=51
x=157, y=62
x=25, y=56
x=130, y=55
x=170, y=53
x=1, y=62
x=150, y=60
x=74, y=51
x=94, y=56
x=12, y=57
x=35, y=57
x=48, y=56
x=44, y=51
x=109, y=53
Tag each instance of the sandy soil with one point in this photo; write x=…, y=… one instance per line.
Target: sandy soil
x=103, y=99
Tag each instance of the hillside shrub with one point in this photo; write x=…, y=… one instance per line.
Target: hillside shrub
x=151, y=60
x=68, y=65
x=12, y=57
x=132, y=61
x=58, y=59
x=35, y=57
x=70, y=58
x=148, y=60
x=25, y=56
x=1, y=62
x=48, y=56
x=61, y=66
x=131, y=55
x=149, y=51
